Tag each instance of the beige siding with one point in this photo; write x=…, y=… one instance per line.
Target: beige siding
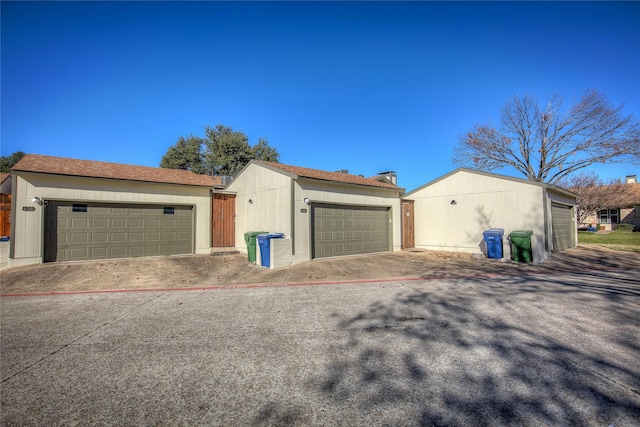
x=29, y=225
x=343, y=194
x=276, y=197
x=270, y=207
x=481, y=202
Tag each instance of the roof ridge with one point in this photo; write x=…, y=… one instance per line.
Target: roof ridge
x=110, y=170
x=347, y=178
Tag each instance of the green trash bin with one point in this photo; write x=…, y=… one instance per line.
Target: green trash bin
x=521, y=245
x=250, y=240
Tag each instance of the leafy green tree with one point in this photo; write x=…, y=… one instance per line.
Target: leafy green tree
x=262, y=151
x=186, y=154
x=547, y=142
x=227, y=151
x=7, y=162
x=222, y=151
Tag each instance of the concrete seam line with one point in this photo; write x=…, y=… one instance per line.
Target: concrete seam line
x=341, y=282
x=82, y=336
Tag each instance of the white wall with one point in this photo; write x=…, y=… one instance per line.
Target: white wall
x=270, y=206
x=481, y=202
x=28, y=226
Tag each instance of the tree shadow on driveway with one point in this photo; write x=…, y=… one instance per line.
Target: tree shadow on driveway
x=483, y=353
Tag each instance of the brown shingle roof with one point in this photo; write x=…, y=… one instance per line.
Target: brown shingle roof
x=93, y=169
x=633, y=195
x=3, y=176
x=329, y=176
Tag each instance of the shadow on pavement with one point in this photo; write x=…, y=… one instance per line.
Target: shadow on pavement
x=448, y=356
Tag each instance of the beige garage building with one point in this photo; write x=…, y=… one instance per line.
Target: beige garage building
x=322, y=214
x=67, y=209
x=451, y=212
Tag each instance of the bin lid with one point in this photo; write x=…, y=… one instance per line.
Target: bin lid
x=493, y=232
x=253, y=233
x=521, y=233
x=270, y=236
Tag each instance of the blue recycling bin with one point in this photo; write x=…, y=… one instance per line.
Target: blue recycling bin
x=493, y=240
x=264, y=241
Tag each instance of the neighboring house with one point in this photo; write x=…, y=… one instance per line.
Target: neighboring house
x=451, y=212
x=5, y=204
x=321, y=214
x=627, y=213
x=66, y=209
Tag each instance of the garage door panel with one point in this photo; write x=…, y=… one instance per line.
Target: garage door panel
x=79, y=223
x=152, y=250
x=78, y=253
x=118, y=237
x=79, y=237
x=99, y=252
x=349, y=230
x=136, y=251
x=99, y=237
x=78, y=231
x=117, y=251
x=183, y=248
x=118, y=223
x=99, y=223
x=561, y=227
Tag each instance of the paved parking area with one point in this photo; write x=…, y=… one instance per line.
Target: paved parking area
x=545, y=349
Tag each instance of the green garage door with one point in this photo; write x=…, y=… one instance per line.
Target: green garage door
x=82, y=231
x=349, y=230
x=561, y=227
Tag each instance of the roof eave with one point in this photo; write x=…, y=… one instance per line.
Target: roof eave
x=398, y=189
x=116, y=179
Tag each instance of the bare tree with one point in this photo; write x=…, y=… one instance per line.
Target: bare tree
x=595, y=195
x=549, y=143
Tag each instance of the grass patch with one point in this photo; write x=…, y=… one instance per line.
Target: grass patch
x=617, y=240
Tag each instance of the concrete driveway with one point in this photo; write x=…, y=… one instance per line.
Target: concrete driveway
x=539, y=349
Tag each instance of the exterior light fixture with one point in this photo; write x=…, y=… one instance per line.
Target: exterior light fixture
x=307, y=201
x=37, y=201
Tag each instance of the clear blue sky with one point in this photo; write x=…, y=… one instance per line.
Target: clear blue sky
x=361, y=86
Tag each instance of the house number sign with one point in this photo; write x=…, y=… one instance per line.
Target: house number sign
x=29, y=208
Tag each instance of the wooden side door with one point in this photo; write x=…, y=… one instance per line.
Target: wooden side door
x=408, y=236
x=5, y=214
x=223, y=220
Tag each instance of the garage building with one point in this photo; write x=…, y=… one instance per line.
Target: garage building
x=67, y=210
x=322, y=214
x=451, y=212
